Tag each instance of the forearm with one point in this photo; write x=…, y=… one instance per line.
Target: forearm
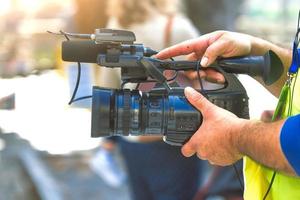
x=261, y=142
x=260, y=47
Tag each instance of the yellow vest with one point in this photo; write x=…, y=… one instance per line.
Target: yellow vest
x=258, y=177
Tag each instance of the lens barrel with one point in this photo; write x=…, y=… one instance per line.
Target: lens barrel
x=131, y=112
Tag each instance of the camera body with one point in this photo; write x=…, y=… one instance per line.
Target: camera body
x=164, y=110
x=158, y=112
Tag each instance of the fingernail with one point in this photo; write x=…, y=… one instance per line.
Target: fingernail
x=191, y=93
x=204, y=62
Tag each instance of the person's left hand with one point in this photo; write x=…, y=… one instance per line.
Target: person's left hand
x=266, y=115
x=216, y=139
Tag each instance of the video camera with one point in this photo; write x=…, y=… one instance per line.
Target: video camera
x=164, y=110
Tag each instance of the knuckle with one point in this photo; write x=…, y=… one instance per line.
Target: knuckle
x=230, y=42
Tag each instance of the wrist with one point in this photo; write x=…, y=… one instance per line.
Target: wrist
x=246, y=134
x=259, y=46
x=237, y=135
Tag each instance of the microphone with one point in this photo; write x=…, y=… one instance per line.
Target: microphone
x=268, y=66
x=88, y=50
x=82, y=51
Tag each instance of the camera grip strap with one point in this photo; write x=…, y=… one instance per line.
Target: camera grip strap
x=155, y=73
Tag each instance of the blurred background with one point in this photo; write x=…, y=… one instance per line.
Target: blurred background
x=45, y=144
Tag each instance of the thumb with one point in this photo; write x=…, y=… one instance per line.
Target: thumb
x=197, y=100
x=218, y=48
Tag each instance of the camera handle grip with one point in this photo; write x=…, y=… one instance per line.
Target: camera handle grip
x=155, y=73
x=232, y=97
x=268, y=66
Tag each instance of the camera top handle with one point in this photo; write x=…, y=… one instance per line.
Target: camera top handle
x=116, y=48
x=129, y=56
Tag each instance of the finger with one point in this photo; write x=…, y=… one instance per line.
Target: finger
x=195, y=55
x=211, y=162
x=209, y=74
x=192, y=56
x=192, y=75
x=267, y=115
x=212, y=74
x=198, y=100
x=197, y=45
x=188, y=150
x=201, y=156
x=216, y=49
x=202, y=152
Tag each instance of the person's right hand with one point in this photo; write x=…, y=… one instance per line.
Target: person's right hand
x=208, y=48
x=266, y=115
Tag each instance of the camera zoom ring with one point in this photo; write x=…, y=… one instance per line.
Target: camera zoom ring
x=126, y=112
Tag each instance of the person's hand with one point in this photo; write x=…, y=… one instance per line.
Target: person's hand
x=215, y=140
x=208, y=48
x=266, y=115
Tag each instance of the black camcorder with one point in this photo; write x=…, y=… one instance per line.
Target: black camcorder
x=164, y=110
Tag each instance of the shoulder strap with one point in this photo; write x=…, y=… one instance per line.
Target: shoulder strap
x=296, y=52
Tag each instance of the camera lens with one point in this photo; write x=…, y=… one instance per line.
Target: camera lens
x=131, y=112
x=102, y=112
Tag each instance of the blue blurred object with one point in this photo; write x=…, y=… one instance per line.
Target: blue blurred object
x=105, y=164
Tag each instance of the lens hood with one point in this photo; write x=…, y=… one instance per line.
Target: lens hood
x=101, y=111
